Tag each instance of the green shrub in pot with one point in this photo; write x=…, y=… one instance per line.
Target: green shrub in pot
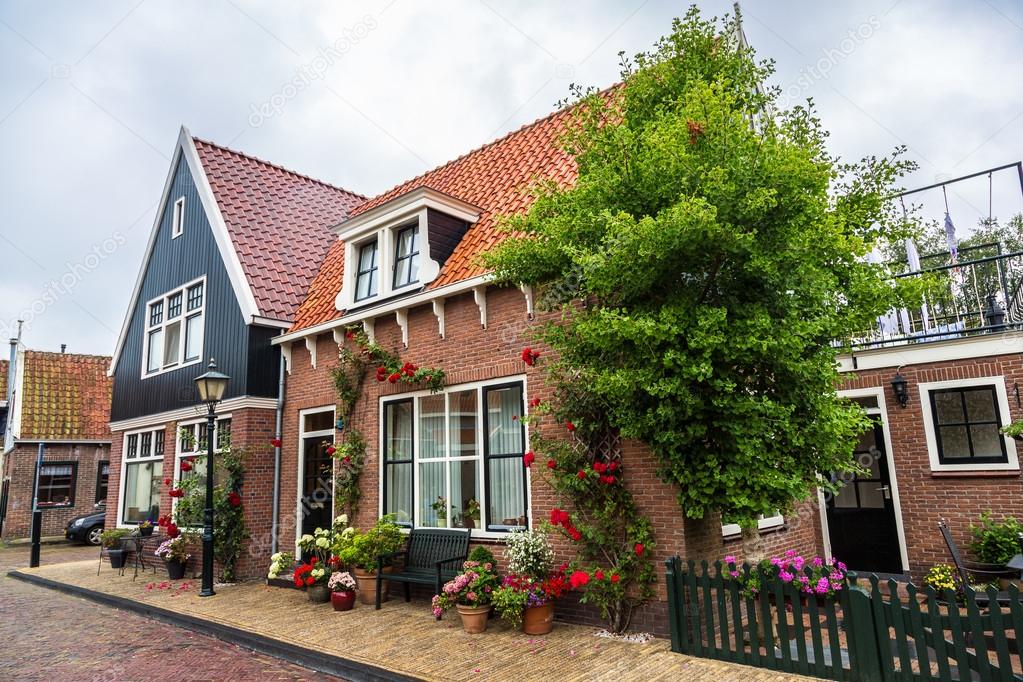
x=995, y=541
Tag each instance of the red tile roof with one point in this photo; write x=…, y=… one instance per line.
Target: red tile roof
x=279, y=222
x=495, y=177
x=65, y=397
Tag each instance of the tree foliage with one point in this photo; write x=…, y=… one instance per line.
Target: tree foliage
x=704, y=262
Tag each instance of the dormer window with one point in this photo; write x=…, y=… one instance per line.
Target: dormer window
x=366, y=281
x=399, y=246
x=178, y=218
x=406, y=258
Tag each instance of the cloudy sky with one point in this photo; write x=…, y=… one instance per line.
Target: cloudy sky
x=93, y=95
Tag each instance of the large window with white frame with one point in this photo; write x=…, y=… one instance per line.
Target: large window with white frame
x=142, y=469
x=453, y=459
x=962, y=422
x=175, y=324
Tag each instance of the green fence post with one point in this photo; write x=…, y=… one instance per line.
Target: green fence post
x=864, y=655
x=676, y=607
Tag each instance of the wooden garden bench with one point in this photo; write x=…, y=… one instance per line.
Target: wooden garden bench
x=432, y=557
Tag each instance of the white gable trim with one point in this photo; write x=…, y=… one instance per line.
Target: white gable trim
x=243, y=293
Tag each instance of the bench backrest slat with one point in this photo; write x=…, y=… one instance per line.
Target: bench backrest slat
x=426, y=546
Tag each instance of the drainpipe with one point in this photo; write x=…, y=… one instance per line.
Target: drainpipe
x=12, y=373
x=277, y=459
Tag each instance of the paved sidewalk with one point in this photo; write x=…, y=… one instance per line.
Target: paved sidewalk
x=402, y=638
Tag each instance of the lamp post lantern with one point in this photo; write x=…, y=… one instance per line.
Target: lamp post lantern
x=211, y=386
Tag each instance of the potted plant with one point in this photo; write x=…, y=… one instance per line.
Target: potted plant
x=279, y=563
x=145, y=528
x=1014, y=430
x=440, y=507
x=470, y=592
x=342, y=590
x=471, y=516
x=313, y=575
x=174, y=552
x=359, y=552
x=994, y=543
x=527, y=594
x=113, y=541
x=942, y=578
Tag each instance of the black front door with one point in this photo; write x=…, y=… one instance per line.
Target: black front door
x=317, y=484
x=861, y=516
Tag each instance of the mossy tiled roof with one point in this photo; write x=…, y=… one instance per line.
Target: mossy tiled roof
x=65, y=396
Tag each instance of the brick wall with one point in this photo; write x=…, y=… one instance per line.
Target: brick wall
x=928, y=496
x=20, y=468
x=469, y=353
x=251, y=429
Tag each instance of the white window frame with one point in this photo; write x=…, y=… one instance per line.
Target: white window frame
x=300, y=458
x=180, y=454
x=764, y=523
x=122, y=483
x=480, y=457
x=1001, y=395
x=181, y=319
x=178, y=218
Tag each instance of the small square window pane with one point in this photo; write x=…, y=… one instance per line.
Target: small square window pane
x=398, y=492
x=987, y=441
x=954, y=444
x=174, y=306
x=434, y=506
x=870, y=496
x=949, y=406
x=401, y=272
x=462, y=424
x=156, y=313
x=195, y=297
x=132, y=448
x=147, y=444
x=980, y=405
x=193, y=337
x=431, y=427
x=465, y=494
x=319, y=421
x=845, y=498
x=504, y=407
x=368, y=257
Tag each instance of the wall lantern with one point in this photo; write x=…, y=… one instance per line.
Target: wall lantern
x=900, y=387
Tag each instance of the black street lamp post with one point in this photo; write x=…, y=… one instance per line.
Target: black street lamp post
x=211, y=387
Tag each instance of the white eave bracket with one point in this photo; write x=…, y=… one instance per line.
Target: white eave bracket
x=310, y=345
x=527, y=291
x=367, y=326
x=339, y=335
x=401, y=316
x=438, y=312
x=480, y=295
x=286, y=354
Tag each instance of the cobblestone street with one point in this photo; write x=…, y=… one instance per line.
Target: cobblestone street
x=47, y=635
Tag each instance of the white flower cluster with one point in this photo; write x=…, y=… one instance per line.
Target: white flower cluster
x=529, y=553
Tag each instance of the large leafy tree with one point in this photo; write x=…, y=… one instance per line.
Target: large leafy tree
x=705, y=261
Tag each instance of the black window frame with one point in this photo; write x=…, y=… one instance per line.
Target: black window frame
x=359, y=272
x=72, y=485
x=410, y=257
x=967, y=423
x=411, y=461
x=99, y=477
x=488, y=456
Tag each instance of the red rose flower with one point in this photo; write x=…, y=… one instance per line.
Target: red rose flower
x=528, y=458
x=186, y=465
x=331, y=449
x=581, y=474
x=166, y=481
x=639, y=549
x=176, y=492
x=234, y=499
x=551, y=464
x=276, y=442
x=613, y=466
x=609, y=480
x=615, y=578
x=574, y=533
x=598, y=574
x=570, y=426
x=394, y=378
x=312, y=561
x=535, y=402
x=599, y=467
x=350, y=335
x=347, y=460
x=578, y=579
x=172, y=530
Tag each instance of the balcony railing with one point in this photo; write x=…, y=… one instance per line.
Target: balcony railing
x=979, y=294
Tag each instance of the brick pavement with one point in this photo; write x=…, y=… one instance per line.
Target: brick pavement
x=404, y=637
x=47, y=635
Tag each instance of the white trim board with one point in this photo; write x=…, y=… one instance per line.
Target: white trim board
x=185, y=147
x=1004, y=343
x=189, y=413
x=1003, y=410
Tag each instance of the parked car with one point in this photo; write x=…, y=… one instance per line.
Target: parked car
x=86, y=528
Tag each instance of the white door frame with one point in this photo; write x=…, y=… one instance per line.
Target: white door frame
x=877, y=392
x=302, y=435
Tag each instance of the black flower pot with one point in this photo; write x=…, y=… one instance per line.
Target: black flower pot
x=117, y=557
x=176, y=569
x=146, y=532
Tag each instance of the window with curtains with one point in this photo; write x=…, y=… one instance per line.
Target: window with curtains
x=57, y=484
x=174, y=329
x=454, y=459
x=143, y=475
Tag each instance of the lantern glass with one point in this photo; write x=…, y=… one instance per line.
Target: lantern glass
x=212, y=384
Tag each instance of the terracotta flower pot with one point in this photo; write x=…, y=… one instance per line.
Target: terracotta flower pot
x=367, y=583
x=474, y=618
x=538, y=620
x=342, y=601
x=318, y=594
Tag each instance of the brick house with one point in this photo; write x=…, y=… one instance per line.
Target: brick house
x=225, y=269
x=59, y=401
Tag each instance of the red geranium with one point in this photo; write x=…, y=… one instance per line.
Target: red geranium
x=615, y=578
x=528, y=458
x=551, y=464
x=639, y=549
x=176, y=492
x=276, y=442
x=172, y=530
x=535, y=402
x=310, y=580
x=186, y=465
x=298, y=582
x=581, y=474
x=331, y=450
x=570, y=426
x=578, y=579
x=598, y=574
x=234, y=499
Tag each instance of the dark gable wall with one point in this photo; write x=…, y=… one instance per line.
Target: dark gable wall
x=445, y=234
x=241, y=352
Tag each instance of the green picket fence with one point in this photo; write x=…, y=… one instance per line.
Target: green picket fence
x=873, y=631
